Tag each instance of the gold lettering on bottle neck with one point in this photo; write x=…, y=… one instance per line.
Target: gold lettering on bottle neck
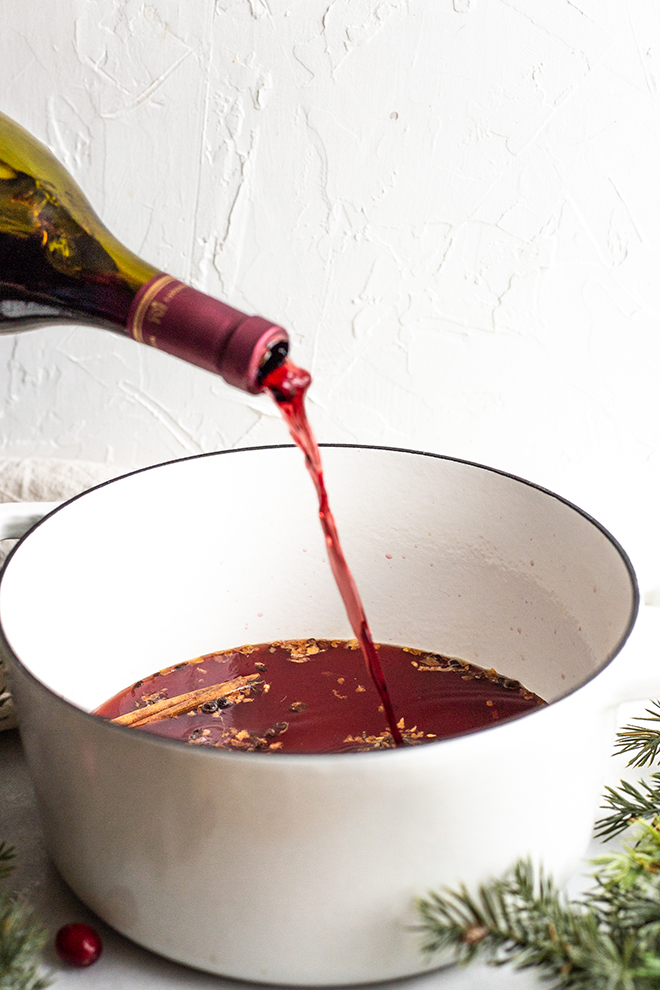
x=146, y=298
x=174, y=291
x=156, y=312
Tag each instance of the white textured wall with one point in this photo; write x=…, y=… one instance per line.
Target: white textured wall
x=453, y=205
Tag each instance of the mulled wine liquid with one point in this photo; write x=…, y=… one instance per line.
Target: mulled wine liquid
x=311, y=697
x=288, y=385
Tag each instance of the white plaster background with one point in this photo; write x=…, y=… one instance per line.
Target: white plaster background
x=453, y=205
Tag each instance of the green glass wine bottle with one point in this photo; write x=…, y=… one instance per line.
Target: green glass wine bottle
x=58, y=263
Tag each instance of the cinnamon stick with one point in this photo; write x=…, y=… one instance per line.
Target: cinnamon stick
x=182, y=703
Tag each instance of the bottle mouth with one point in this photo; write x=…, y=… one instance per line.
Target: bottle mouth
x=274, y=356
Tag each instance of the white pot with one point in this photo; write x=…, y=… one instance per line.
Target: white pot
x=305, y=869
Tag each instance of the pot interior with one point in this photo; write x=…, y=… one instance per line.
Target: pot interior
x=212, y=552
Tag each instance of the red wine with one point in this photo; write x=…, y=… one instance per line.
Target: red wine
x=310, y=696
x=288, y=384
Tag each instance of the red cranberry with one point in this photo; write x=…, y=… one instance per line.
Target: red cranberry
x=78, y=945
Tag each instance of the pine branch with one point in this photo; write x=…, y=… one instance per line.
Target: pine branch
x=522, y=919
x=21, y=941
x=645, y=742
x=629, y=803
x=608, y=940
x=627, y=882
x=21, y=938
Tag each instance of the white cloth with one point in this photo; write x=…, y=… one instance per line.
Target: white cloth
x=42, y=480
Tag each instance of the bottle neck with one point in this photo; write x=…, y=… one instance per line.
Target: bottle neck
x=175, y=318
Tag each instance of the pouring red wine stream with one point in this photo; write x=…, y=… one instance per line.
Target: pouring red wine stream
x=287, y=385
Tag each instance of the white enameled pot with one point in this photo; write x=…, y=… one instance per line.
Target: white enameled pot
x=305, y=869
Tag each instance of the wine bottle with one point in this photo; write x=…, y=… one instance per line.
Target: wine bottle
x=58, y=263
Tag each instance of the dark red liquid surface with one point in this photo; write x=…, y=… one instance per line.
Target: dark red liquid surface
x=314, y=698
x=288, y=385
